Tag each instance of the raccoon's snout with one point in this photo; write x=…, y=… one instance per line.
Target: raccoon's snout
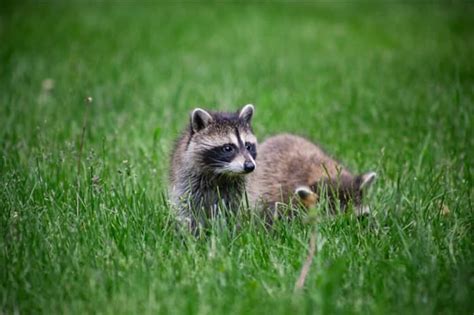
x=249, y=166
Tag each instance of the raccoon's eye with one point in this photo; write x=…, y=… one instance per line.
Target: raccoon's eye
x=249, y=146
x=227, y=148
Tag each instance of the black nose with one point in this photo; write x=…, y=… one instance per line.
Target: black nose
x=249, y=166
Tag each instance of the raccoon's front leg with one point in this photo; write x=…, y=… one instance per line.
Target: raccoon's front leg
x=186, y=216
x=185, y=219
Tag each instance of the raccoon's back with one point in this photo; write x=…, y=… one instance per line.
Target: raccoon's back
x=285, y=162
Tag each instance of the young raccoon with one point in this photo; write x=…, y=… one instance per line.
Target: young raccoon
x=210, y=162
x=292, y=167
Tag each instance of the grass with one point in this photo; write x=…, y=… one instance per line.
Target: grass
x=84, y=223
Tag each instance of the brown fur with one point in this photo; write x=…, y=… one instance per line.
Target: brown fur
x=287, y=162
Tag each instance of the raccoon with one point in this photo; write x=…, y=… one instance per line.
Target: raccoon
x=292, y=168
x=210, y=162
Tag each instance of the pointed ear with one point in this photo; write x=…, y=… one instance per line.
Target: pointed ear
x=200, y=119
x=365, y=180
x=307, y=197
x=246, y=113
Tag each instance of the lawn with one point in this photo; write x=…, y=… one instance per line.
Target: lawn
x=92, y=97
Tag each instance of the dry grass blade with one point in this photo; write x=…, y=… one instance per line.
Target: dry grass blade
x=307, y=264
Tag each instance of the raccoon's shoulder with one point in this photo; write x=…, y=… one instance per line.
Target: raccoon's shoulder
x=291, y=145
x=297, y=157
x=283, y=160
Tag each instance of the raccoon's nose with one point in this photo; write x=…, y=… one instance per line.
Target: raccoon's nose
x=249, y=166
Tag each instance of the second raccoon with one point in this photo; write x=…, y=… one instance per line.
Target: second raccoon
x=291, y=167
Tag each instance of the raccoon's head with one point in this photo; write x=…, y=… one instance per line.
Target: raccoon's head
x=342, y=191
x=223, y=143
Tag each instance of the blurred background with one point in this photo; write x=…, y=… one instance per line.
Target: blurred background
x=353, y=76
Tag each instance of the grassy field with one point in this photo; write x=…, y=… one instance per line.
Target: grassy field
x=83, y=217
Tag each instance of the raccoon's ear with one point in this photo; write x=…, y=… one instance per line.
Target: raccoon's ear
x=200, y=119
x=366, y=179
x=246, y=113
x=307, y=196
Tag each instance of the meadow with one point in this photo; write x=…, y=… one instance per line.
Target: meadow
x=92, y=97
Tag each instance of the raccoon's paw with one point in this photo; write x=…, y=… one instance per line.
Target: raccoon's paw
x=190, y=225
x=363, y=211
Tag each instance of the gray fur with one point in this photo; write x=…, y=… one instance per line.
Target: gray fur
x=198, y=188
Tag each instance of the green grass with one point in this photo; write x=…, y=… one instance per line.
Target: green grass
x=386, y=87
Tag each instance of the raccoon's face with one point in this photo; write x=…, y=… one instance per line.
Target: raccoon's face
x=340, y=193
x=223, y=143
